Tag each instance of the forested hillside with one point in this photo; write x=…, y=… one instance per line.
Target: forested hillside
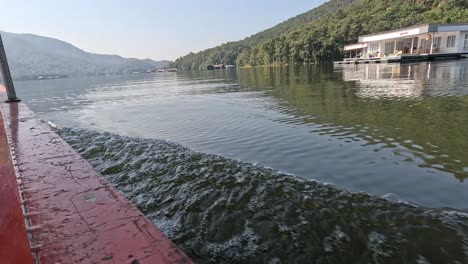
x=228, y=53
x=320, y=34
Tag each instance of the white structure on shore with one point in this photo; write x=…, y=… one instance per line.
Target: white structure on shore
x=427, y=39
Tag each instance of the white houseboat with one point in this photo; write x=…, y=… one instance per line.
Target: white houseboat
x=421, y=42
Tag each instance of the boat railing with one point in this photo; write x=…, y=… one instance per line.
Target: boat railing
x=6, y=74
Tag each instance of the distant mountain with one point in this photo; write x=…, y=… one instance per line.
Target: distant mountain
x=31, y=56
x=320, y=34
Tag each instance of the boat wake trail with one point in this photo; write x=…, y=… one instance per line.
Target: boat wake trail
x=225, y=211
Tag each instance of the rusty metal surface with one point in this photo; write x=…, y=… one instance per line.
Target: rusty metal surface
x=76, y=216
x=14, y=243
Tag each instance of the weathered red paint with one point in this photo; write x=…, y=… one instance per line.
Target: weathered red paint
x=14, y=243
x=76, y=215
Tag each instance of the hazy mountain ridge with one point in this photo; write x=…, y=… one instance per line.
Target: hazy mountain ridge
x=30, y=56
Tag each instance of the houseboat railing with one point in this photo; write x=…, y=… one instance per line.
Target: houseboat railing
x=5, y=70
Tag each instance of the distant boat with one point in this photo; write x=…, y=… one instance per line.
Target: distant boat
x=172, y=70
x=216, y=67
x=50, y=77
x=161, y=70
x=230, y=66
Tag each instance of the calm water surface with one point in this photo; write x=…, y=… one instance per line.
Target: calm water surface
x=398, y=131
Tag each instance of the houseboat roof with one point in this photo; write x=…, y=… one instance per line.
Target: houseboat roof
x=413, y=30
x=355, y=46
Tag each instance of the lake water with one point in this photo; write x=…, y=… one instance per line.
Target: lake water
x=382, y=129
x=399, y=132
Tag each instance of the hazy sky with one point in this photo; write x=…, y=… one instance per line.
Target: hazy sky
x=158, y=29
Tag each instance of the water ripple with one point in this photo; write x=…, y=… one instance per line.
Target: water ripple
x=223, y=211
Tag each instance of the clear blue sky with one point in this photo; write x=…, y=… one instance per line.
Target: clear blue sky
x=158, y=29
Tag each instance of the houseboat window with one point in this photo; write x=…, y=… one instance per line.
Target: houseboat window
x=415, y=42
x=389, y=48
x=437, y=42
x=373, y=47
x=451, y=41
x=426, y=45
x=402, y=44
x=399, y=45
x=465, y=47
